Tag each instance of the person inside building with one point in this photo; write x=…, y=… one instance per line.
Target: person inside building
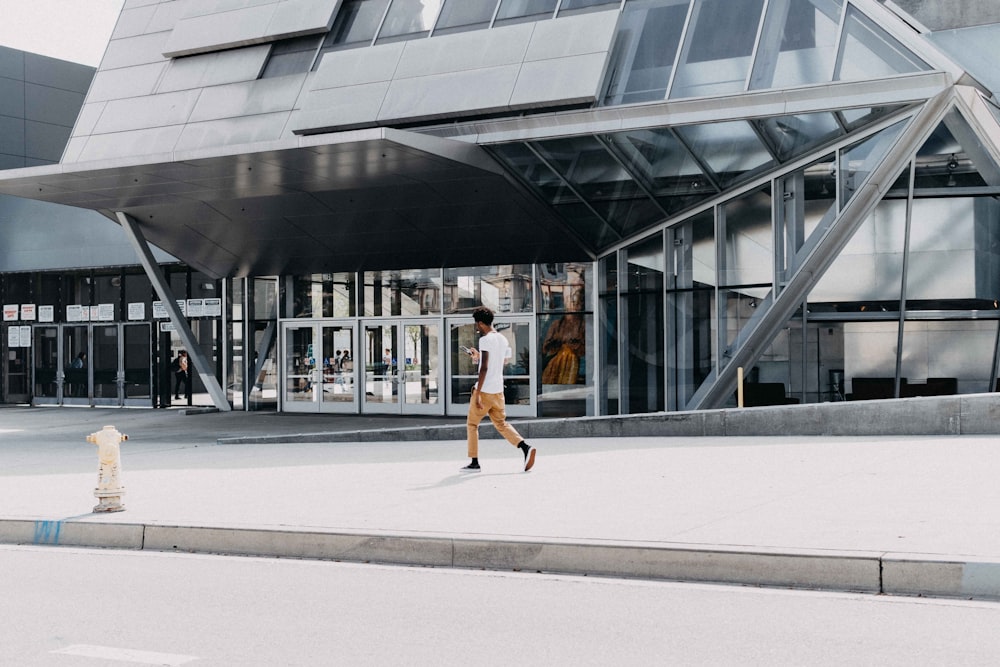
x=181, y=377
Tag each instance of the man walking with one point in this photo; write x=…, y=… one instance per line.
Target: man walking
x=181, y=377
x=487, y=394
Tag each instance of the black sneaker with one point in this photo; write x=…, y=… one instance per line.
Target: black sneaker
x=470, y=468
x=529, y=459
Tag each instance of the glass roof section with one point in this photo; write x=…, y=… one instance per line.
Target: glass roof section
x=609, y=187
x=679, y=49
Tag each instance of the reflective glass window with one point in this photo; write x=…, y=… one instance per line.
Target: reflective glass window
x=869, y=52
x=321, y=295
x=791, y=136
x=355, y=24
x=799, y=44
x=718, y=48
x=503, y=289
x=465, y=15
x=602, y=181
x=513, y=11
x=649, y=33
x=571, y=5
x=749, y=246
x=409, y=18
x=859, y=160
x=291, y=56
x=579, y=216
x=664, y=165
x=732, y=150
x=946, y=162
x=411, y=292
x=643, y=322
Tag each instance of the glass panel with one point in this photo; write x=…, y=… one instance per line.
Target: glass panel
x=138, y=293
x=76, y=361
x=105, y=362
x=291, y=56
x=792, y=136
x=16, y=371
x=422, y=363
x=567, y=338
x=517, y=388
x=412, y=292
x=943, y=161
x=323, y=295
x=355, y=24
x=941, y=358
x=857, y=118
x=609, y=331
x=46, y=351
x=809, y=205
x=718, y=49
x=749, y=247
x=870, y=53
x=643, y=324
x=859, y=160
x=866, y=276
x=465, y=15
x=649, y=32
x=381, y=364
x=300, y=362
x=799, y=43
x=570, y=5
x=691, y=303
x=870, y=359
x=502, y=289
x=138, y=359
x=581, y=218
x=107, y=292
x=512, y=11
x=664, y=166
x=588, y=166
x=408, y=19
x=338, y=365
x=732, y=150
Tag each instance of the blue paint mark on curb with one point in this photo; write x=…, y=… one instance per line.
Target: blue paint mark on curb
x=47, y=532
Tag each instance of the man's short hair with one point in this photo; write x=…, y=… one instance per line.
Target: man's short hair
x=484, y=315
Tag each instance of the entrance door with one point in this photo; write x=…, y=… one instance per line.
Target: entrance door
x=403, y=371
x=82, y=364
x=315, y=377
x=518, y=371
x=17, y=375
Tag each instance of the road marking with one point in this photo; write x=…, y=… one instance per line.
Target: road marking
x=126, y=655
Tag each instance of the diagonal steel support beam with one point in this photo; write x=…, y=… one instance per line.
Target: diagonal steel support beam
x=754, y=341
x=201, y=364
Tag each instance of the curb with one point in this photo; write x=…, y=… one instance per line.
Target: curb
x=845, y=571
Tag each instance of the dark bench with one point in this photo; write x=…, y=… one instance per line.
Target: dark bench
x=756, y=394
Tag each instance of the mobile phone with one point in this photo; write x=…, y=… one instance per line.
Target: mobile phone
x=467, y=350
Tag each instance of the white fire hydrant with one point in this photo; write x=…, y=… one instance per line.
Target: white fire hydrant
x=109, y=490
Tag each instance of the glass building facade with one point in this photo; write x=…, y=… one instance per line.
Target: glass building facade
x=657, y=197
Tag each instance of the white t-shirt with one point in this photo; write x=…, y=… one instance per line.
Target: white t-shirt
x=497, y=346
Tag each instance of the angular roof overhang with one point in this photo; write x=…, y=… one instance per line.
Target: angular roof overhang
x=359, y=200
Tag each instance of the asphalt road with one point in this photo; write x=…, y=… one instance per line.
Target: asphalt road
x=76, y=608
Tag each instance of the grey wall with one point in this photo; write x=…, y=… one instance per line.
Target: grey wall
x=40, y=98
x=947, y=14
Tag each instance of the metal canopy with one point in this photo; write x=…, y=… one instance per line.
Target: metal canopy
x=363, y=200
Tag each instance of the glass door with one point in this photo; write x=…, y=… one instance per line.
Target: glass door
x=106, y=379
x=403, y=372
x=74, y=359
x=48, y=374
x=318, y=367
x=519, y=369
x=339, y=389
x=138, y=364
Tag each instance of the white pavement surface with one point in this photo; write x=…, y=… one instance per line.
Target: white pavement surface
x=924, y=495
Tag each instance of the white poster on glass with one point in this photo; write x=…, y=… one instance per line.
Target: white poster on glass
x=159, y=312
x=213, y=307
x=25, y=336
x=14, y=337
x=10, y=311
x=46, y=313
x=137, y=311
x=28, y=312
x=105, y=312
x=75, y=313
x=195, y=308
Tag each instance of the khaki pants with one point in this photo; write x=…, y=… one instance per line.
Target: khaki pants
x=493, y=405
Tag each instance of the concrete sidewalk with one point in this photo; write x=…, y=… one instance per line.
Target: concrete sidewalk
x=913, y=515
